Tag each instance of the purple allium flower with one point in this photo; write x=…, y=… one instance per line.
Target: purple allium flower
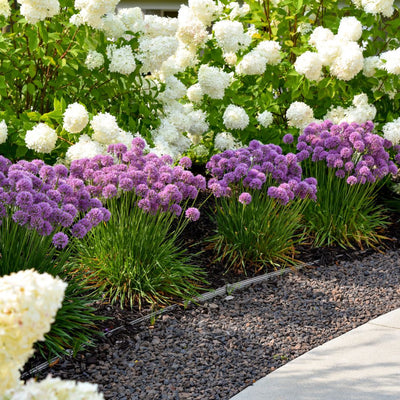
x=61, y=170
x=144, y=204
x=126, y=184
x=192, y=214
x=79, y=230
x=245, y=198
x=185, y=162
x=118, y=149
x=109, y=191
x=288, y=139
x=24, y=200
x=24, y=184
x=351, y=180
x=138, y=143
x=65, y=189
x=54, y=195
x=20, y=217
x=60, y=240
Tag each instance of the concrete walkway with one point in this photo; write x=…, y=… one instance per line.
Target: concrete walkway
x=363, y=364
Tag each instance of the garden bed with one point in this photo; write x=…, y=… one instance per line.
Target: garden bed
x=217, y=348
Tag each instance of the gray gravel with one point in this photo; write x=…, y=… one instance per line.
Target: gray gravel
x=215, y=350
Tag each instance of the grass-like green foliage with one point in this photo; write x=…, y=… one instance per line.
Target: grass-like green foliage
x=137, y=258
x=75, y=324
x=344, y=215
x=259, y=234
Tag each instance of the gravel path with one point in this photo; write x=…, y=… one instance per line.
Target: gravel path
x=215, y=350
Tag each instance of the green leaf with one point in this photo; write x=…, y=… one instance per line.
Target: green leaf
x=32, y=69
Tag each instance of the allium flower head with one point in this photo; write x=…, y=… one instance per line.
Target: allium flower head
x=257, y=167
x=353, y=149
x=245, y=198
x=193, y=214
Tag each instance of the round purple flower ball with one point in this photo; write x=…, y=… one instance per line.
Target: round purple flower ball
x=245, y=198
x=192, y=214
x=60, y=240
x=288, y=139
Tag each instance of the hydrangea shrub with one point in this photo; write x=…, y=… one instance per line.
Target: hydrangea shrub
x=28, y=304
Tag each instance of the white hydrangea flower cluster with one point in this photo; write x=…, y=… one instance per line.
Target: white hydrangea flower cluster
x=310, y=65
x=371, y=64
x=41, y=138
x=235, y=117
x=174, y=90
x=168, y=140
x=384, y=7
x=213, y=81
x=76, y=118
x=185, y=119
x=28, y=304
x=197, y=122
x=155, y=26
x=84, y=148
x=92, y=11
x=94, y=60
x=359, y=112
x=206, y=11
x=3, y=131
x=391, y=61
x=38, y=10
x=178, y=62
x=153, y=51
x=225, y=141
x=230, y=36
x=178, y=115
x=105, y=128
x=121, y=59
x=195, y=93
x=340, y=52
x=132, y=18
x=5, y=8
x=255, y=62
x=238, y=11
x=55, y=389
x=299, y=115
x=191, y=31
x=391, y=131
x=265, y=119
x=112, y=26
